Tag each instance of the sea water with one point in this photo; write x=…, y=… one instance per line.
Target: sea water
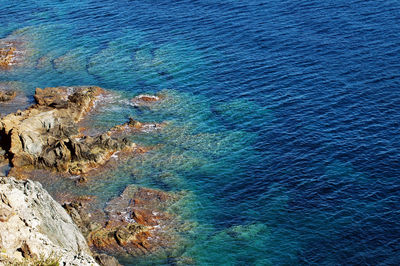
x=282, y=117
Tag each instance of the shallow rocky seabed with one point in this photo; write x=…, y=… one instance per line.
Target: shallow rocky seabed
x=268, y=133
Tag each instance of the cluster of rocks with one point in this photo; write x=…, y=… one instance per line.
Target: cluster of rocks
x=136, y=223
x=46, y=135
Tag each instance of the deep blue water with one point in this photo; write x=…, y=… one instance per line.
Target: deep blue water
x=285, y=116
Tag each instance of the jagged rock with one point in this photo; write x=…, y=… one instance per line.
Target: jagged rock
x=34, y=226
x=46, y=135
x=121, y=239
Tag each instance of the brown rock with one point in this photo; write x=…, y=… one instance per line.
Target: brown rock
x=7, y=55
x=145, y=100
x=46, y=134
x=135, y=126
x=138, y=224
x=106, y=260
x=6, y=96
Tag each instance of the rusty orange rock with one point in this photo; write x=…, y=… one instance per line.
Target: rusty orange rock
x=145, y=100
x=137, y=223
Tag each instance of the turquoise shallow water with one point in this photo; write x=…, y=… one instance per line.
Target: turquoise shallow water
x=283, y=117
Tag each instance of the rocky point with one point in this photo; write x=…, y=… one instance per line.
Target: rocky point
x=46, y=135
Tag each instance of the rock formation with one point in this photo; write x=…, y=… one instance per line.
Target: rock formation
x=46, y=135
x=136, y=223
x=34, y=227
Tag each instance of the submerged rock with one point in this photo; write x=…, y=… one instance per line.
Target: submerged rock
x=136, y=223
x=135, y=126
x=139, y=223
x=46, y=135
x=12, y=97
x=6, y=96
x=12, y=52
x=145, y=100
x=7, y=56
x=34, y=227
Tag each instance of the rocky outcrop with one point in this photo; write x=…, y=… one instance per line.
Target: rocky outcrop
x=136, y=223
x=35, y=227
x=46, y=135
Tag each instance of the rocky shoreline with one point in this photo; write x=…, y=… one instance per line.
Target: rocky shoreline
x=48, y=135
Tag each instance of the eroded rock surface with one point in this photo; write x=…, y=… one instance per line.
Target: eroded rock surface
x=46, y=135
x=34, y=226
x=136, y=223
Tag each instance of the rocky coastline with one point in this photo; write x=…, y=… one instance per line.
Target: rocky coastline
x=48, y=135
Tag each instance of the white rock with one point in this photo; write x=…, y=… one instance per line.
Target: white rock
x=30, y=219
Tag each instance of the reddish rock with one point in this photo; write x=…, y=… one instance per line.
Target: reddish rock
x=145, y=100
x=138, y=223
